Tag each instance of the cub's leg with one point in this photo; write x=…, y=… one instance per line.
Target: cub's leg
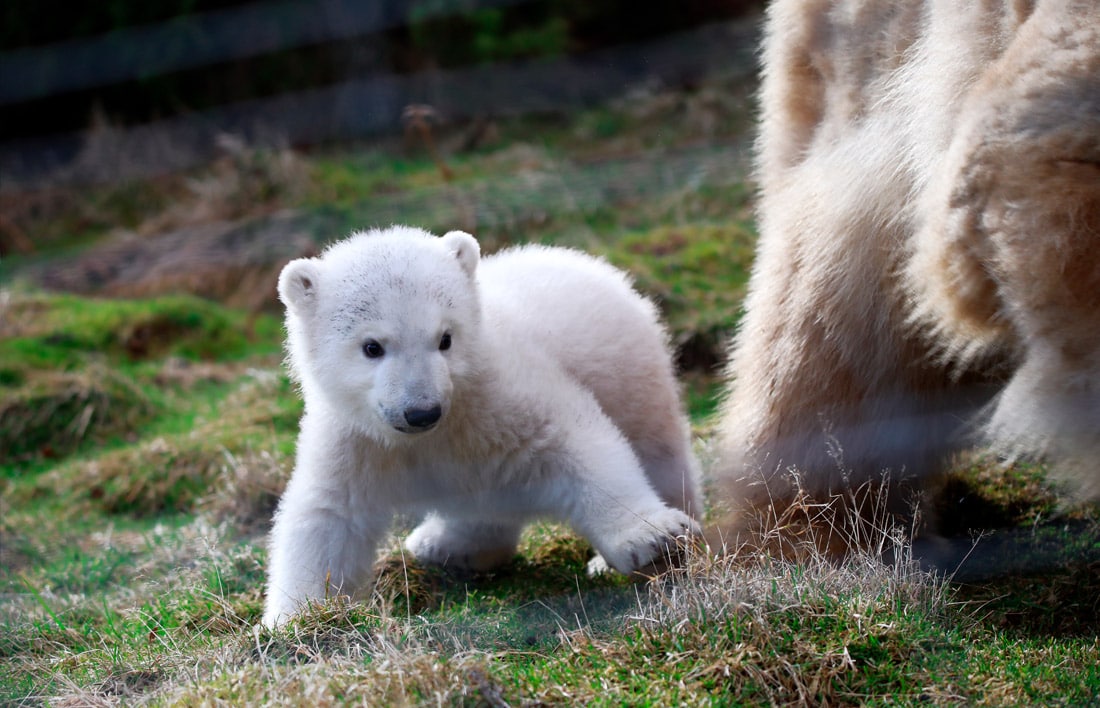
x=463, y=544
x=603, y=491
x=324, y=539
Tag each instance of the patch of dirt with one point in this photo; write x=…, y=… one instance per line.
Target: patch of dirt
x=234, y=262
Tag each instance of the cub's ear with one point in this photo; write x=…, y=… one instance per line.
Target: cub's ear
x=298, y=285
x=465, y=249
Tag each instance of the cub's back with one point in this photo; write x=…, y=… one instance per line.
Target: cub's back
x=585, y=314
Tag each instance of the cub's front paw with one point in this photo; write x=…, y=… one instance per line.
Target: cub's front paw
x=654, y=540
x=279, y=609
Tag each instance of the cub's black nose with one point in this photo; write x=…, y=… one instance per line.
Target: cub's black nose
x=423, y=417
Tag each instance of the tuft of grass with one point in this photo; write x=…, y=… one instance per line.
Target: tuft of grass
x=79, y=371
x=244, y=181
x=212, y=462
x=247, y=488
x=50, y=414
x=751, y=628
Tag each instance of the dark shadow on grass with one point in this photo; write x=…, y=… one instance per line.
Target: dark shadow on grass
x=1026, y=562
x=522, y=605
x=1041, y=580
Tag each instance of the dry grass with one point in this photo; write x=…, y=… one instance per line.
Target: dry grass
x=737, y=628
x=133, y=574
x=53, y=413
x=245, y=180
x=104, y=191
x=247, y=490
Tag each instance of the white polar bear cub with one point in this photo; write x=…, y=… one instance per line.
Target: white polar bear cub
x=537, y=383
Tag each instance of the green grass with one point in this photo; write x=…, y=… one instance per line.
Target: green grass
x=139, y=626
x=62, y=331
x=82, y=372
x=133, y=570
x=143, y=444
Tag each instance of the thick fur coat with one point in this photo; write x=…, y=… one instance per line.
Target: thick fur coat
x=928, y=271
x=476, y=395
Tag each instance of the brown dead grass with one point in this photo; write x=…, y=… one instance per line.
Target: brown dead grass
x=247, y=489
x=53, y=413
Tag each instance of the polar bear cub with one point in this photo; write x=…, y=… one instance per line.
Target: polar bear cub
x=478, y=394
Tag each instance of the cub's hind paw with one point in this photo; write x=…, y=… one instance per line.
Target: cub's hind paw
x=462, y=546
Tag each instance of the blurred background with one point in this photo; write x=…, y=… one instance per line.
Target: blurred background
x=333, y=70
x=196, y=145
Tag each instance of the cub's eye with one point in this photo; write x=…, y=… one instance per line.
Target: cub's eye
x=372, y=349
x=445, y=342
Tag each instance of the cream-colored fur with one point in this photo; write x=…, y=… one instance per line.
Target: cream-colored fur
x=478, y=395
x=928, y=272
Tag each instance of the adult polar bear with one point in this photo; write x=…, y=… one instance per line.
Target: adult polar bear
x=480, y=393
x=929, y=209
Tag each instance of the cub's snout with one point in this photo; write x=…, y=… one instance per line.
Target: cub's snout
x=421, y=419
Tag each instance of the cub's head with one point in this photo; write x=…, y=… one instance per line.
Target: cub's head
x=382, y=326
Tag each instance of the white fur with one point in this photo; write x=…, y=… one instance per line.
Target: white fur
x=556, y=398
x=929, y=235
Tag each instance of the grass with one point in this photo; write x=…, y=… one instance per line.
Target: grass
x=81, y=372
x=132, y=571
x=144, y=442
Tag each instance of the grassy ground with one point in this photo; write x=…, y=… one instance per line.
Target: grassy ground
x=143, y=443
